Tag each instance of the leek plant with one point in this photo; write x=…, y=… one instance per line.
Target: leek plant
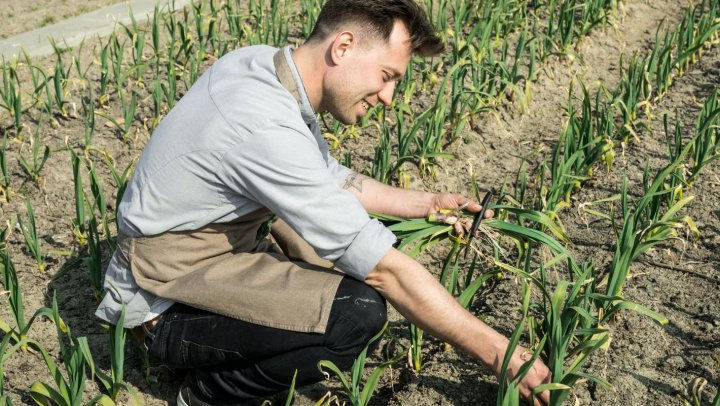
x=99, y=202
x=128, y=108
x=571, y=20
x=389, y=161
x=15, y=301
x=308, y=17
x=80, y=222
x=429, y=147
x=11, y=93
x=632, y=94
x=414, y=353
x=104, y=78
x=117, y=53
x=40, y=84
x=696, y=394
x=59, y=80
x=205, y=28
x=648, y=223
x=291, y=390
x=75, y=356
x=137, y=47
x=193, y=70
x=509, y=387
x=93, y=262
x=267, y=26
x=155, y=33
x=382, y=164
x=561, y=26
x=358, y=392
x=697, y=28
x=32, y=239
x=112, y=384
x=35, y=164
x=660, y=64
x=4, y=174
x=184, y=37
x=707, y=132
x=676, y=179
x=234, y=20
x=77, y=64
x=119, y=178
x=88, y=106
x=158, y=106
x=170, y=90
x=570, y=328
x=579, y=148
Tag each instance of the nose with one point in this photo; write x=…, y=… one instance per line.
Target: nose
x=386, y=93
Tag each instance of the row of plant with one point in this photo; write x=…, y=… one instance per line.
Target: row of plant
x=494, y=55
x=583, y=142
x=652, y=219
x=606, y=118
x=646, y=78
x=571, y=321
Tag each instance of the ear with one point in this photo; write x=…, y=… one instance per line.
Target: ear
x=343, y=45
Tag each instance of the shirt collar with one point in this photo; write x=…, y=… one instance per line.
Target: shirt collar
x=289, y=76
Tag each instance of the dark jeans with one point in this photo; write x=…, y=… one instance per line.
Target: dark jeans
x=234, y=361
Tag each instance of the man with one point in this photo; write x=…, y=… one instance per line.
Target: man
x=199, y=273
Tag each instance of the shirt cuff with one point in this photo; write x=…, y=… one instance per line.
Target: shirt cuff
x=367, y=249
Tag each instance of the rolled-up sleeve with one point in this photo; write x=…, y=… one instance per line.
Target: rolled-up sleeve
x=282, y=169
x=338, y=171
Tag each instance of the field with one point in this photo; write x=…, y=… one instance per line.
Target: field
x=596, y=123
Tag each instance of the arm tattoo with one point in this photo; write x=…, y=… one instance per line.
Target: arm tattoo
x=354, y=180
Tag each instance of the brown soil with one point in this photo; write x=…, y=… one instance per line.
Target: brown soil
x=647, y=364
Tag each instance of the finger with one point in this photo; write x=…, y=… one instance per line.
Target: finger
x=540, y=402
x=489, y=213
x=463, y=203
x=473, y=207
x=459, y=229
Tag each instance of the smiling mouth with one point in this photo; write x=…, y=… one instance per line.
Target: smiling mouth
x=365, y=105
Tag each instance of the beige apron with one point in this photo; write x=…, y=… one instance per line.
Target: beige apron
x=278, y=281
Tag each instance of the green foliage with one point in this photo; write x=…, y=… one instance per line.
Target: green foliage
x=358, y=392
x=32, y=239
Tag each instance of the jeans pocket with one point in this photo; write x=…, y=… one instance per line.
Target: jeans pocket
x=197, y=355
x=188, y=341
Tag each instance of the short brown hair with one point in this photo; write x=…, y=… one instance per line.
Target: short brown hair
x=379, y=17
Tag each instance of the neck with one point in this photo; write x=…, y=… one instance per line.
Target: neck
x=310, y=65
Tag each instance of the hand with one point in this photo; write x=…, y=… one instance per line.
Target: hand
x=453, y=201
x=537, y=375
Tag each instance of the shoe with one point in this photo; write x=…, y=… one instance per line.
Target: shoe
x=186, y=396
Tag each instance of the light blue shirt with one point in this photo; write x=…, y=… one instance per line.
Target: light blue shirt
x=236, y=142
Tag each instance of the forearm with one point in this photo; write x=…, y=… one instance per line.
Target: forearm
x=414, y=292
x=381, y=198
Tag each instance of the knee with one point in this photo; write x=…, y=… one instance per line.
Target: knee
x=359, y=312
x=370, y=312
